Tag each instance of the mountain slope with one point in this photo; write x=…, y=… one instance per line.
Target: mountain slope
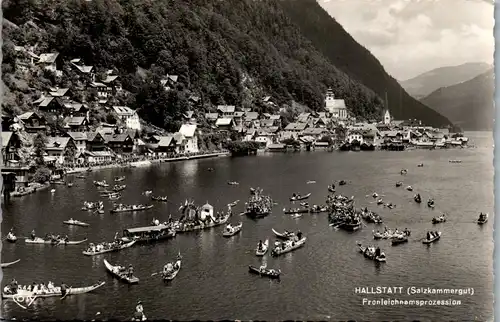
x=428, y=82
x=228, y=52
x=469, y=105
x=328, y=36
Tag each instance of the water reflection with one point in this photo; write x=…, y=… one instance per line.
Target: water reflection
x=188, y=171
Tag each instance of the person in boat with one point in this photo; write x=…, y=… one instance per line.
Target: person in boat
x=130, y=271
x=43, y=288
x=64, y=288
x=260, y=245
x=377, y=251
x=66, y=239
x=299, y=235
x=262, y=268
x=13, y=286
x=139, y=308
x=50, y=287
x=33, y=236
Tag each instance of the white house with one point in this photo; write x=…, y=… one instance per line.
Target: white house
x=129, y=116
x=336, y=107
x=189, y=133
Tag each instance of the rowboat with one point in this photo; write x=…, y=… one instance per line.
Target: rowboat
x=371, y=253
x=289, y=245
x=438, y=220
x=170, y=270
x=232, y=230
x=399, y=240
x=432, y=239
x=269, y=272
x=263, y=250
x=121, y=273
x=39, y=240
x=113, y=249
x=299, y=197
x=164, y=198
x=284, y=235
x=131, y=208
x=482, y=219
x=56, y=292
x=119, y=179
x=3, y=265
x=295, y=211
x=11, y=238
x=75, y=223
x=103, y=184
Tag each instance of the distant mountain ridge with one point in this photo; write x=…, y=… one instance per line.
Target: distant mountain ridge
x=426, y=83
x=469, y=105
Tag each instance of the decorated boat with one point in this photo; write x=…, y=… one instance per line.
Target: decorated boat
x=130, y=208
x=102, y=248
x=194, y=218
x=432, y=237
x=264, y=271
x=232, y=230
x=170, y=270
x=259, y=205
x=87, y=205
x=52, y=241
x=297, y=197
x=4, y=265
x=75, y=222
x=262, y=248
x=22, y=291
x=289, y=245
x=483, y=218
x=149, y=233
x=122, y=273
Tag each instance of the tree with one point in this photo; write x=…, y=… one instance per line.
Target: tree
x=40, y=145
x=42, y=175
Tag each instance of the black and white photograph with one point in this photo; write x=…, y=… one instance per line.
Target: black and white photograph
x=269, y=160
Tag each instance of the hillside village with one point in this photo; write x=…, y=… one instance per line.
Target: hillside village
x=66, y=128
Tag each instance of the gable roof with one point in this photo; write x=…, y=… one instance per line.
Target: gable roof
x=275, y=117
x=166, y=140
x=123, y=110
x=116, y=137
x=226, y=108
x=266, y=123
x=91, y=136
x=48, y=58
x=188, y=130
x=6, y=136
x=74, y=120
x=296, y=126
x=28, y=115
x=224, y=121
x=83, y=69
x=109, y=79
x=250, y=116
x=78, y=136
x=58, y=92
x=46, y=101
x=57, y=143
x=211, y=116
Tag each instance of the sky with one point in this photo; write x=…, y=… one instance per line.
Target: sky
x=410, y=37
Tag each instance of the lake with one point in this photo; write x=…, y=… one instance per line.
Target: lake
x=318, y=281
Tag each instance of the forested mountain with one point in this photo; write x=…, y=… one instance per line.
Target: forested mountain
x=227, y=52
x=426, y=83
x=469, y=105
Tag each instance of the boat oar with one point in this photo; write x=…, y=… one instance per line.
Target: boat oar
x=67, y=292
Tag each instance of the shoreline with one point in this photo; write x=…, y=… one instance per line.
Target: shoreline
x=147, y=163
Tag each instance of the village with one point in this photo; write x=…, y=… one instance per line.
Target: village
x=74, y=139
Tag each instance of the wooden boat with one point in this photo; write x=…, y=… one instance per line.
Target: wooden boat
x=149, y=233
x=233, y=183
x=70, y=184
x=81, y=177
x=118, y=188
x=399, y=240
x=207, y=211
x=351, y=226
x=417, y=199
x=438, y=220
x=4, y=265
x=119, y=179
x=290, y=245
x=103, y=184
x=132, y=208
x=371, y=253
x=430, y=203
x=92, y=205
x=284, y=235
x=331, y=189
x=295, y=211
x=39, y=240
x=121, y=273
x=170, y=270
x=232, y=230
x=482, y=219
x=269, y=272
x=432, y=239
x=76, y=223
x=342, y=183
x=300, y=197
x=399, y=184
x=420, y=165
x=263, y=250
x=164, y=198
x=11, y=238
x=56, y=292
x=409, y=188
x=114, y=249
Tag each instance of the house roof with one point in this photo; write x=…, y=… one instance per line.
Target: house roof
x=116, y=137
x=92, y=135
x=226, y=108
x=83, y=69
x=123, y=110
x=188, y=130
x=166, y=140
x=74, y=120
x=314, y=131
x=27, y=115
x=78, y=136
x=48, y=58
x=303, y=118
x=57, y=143
x=250, y=116
x=296, y=126
x=109, y=79
x=223, y=121
x=275, y=117
x=189, y=114
x=267, y=98
x=178, y=137
x=6, y=136
x=265, y=123
x=46, y=101
x=59, y=92
x=211, y=116
x=97, y=84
